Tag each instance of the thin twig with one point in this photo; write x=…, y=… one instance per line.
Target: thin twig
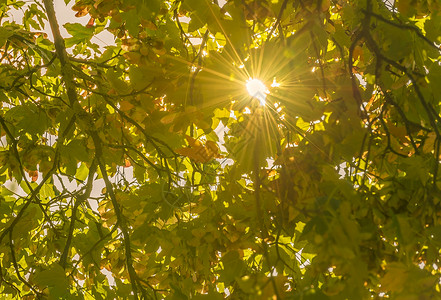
x=279, y=17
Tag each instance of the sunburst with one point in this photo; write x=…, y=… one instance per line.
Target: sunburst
x=272, y=80
x=257, y=89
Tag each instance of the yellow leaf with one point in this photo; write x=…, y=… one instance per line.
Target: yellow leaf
x=192, y=142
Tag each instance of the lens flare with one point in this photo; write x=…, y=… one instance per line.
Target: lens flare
x=257, y=89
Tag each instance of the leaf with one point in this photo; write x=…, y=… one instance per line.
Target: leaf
x=5, y=33
x=125, y=105
x=120, y=86
x=141, y=77
x=82, y=172
x=199, y=152
x=233, y=266
x=28, y=119
x=132, y=21
x=79, y=33
x=47, y=191
x=55, y=279
x=395, y=278
x=429, y=142
x=433, y=28
x=405, y=7
x=196, y=23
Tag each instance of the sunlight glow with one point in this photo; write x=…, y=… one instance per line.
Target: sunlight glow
x=275, y=83
x=257, y=89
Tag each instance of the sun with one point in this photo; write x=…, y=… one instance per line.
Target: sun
x=257, y=89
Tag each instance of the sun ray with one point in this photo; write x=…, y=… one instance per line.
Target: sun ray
x=240, y=77
x=272, y=130
x=225, y=34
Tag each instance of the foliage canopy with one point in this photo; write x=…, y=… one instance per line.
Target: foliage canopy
x=329, y=191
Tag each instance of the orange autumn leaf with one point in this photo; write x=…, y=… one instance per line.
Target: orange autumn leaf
x=127, y=163
x=199, y=152
x=90, y=23
x=33, y=175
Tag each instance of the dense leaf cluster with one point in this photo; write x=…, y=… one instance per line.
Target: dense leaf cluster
x=145, y=170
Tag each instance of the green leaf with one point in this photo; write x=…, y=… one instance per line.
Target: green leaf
x=233, y=266
x=433, y=28
x=5, y=33
x=28, y=119
x=132, y=22
x=55, y=279
x=395, y=278
x=141, y=77
x=117, y=83
x=79, y=33
x=47, y=191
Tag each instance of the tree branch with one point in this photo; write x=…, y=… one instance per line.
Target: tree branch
x=66, y=69
x=403, y=26
x=80, y=199
x=120, y=218
x=16, y=267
